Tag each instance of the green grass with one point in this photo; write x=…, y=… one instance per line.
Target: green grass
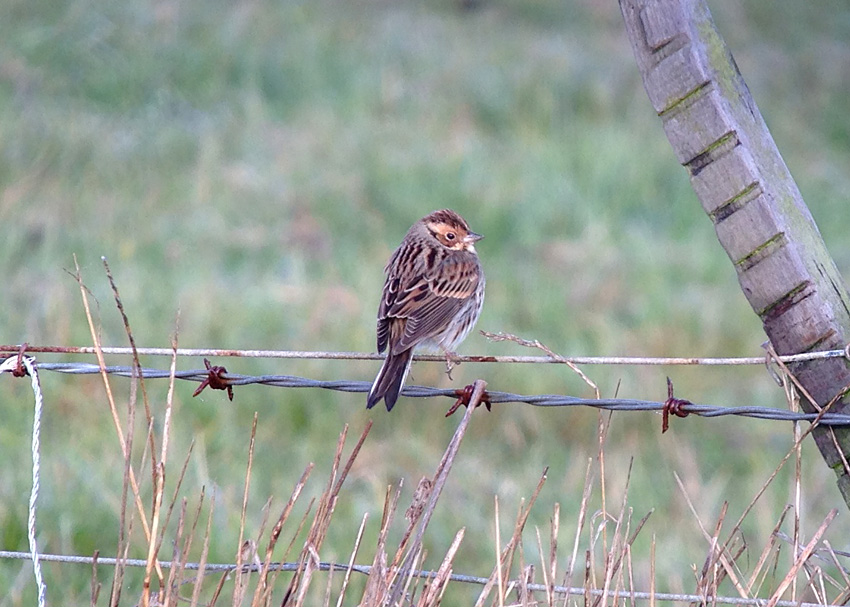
x=252, y=165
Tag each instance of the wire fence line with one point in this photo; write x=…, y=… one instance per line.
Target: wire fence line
x=495, y=397
x=424, y=574
x=328, y=355
x=18, y=363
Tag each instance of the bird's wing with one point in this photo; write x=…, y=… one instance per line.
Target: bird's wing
x=428, y=301
x=393, y=287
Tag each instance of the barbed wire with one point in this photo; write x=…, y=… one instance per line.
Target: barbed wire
x=217, y=377
x=423, y=574
x=331, y=355
x=495, y=397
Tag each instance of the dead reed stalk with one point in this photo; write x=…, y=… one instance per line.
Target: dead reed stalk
x=610, y=575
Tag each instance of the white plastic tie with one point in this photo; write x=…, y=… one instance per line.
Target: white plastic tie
x=10, y=365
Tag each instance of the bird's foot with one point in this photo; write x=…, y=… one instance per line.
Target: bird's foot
x=452, y=361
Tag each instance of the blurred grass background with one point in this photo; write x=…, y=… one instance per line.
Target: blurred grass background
x=253, y=164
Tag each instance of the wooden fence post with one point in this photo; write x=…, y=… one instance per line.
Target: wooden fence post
x=719, y=136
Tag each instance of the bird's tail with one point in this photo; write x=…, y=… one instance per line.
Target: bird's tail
x=390, y=379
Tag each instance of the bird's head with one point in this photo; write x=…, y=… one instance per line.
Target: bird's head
x=451, y=230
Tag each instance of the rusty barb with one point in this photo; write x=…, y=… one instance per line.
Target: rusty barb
x=215, y=380
x=673, y=405
x=20, y=370
x=464, y=396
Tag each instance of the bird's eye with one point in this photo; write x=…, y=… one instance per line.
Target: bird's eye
x=450, y=236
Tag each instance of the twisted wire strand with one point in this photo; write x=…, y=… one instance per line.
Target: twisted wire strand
x=425, y=574
x=538, y=400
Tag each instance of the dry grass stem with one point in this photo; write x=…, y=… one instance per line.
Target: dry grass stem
x=440, y=477
x=219, y=589
x=631, y=575
x=621, y=542
x=844, y=594
x=262, y=593
x=175, y=498
x=582, y=517
x=177, y=558
x=378, y=580
x=821, y=410
x=614, y=554
x=499, y=575
x=95, y=584
x=717, y=554
x=815, y=577
x=157, y=468
x=769, y=548
x=536, y=344
x=329, y=586
x=183, y=555
x=792, y=397
x=111, y=400
x=433, y=592
x=547, y=580
x=602, y=530
x=709, y=577
x=505, y=557
x=301, y=524
x=202, y=564
x=421, y=497
x=411, y=581
x=801, y=559
x=136, y=364
x=239, y=585
x=624, y=552
x=169, y=403
x=602, y=435
x=555, y=526
x=793, y=450
x=652, y=573
x=525, y=594
x=160, y=466
x=347, y=577
x=308, y=561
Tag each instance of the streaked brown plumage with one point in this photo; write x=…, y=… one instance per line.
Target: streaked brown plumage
x=432, y=297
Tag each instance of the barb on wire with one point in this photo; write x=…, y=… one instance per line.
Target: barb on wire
x=537, y=400
x=215, y=379
x=674, y=406
x=464, y=396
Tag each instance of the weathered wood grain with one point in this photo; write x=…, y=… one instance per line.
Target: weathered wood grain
x=719, y=136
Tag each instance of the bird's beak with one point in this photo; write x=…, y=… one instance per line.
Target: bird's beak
x=472, y=238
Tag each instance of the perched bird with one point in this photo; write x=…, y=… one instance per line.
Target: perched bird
x=432, y=297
